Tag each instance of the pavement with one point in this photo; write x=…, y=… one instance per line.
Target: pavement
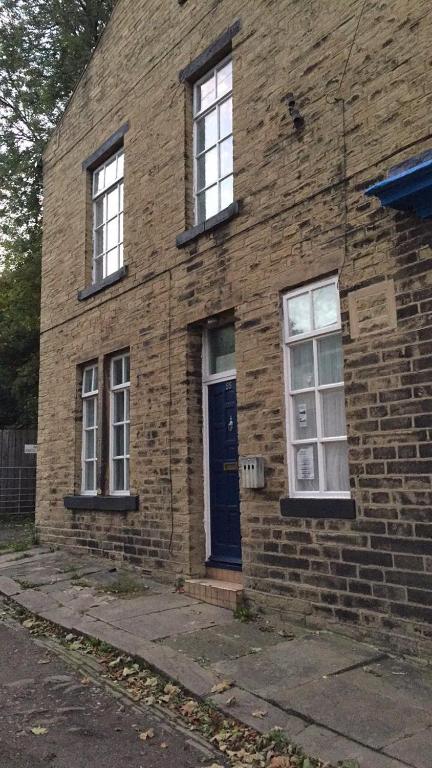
x=336, y=698
x=53, y=717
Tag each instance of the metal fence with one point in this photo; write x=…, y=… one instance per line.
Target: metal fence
x=17, y=490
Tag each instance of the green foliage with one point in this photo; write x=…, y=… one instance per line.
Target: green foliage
x=44, y=46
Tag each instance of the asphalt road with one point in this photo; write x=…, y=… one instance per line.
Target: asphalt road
x=86, y=725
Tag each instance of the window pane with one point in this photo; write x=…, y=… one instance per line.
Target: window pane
x=226, y=156
x=336, y=466
x=127, y=439
x=90, y=476
x=112, y=233
x=90, y=444
x=208, y=203
x=302, y=367
x=205, y=93
x=330, y=362
x=110, y=172
x=304, y=416
x=227, y=192
x=95, y=377
x=98, y=180
x=119, y=411
x=117, y=371
x=325, y=304
x=127, y=413
x=225, y=118
x=120, y=165
x=90, y=412
x=126, y=465
x=121, y=193
x=222, y=349
x=306, y=467
x=224, y=79
x=121, y=228
x=333, y=412
x=99, y=211
x=207, y=168
x=88, y=380
x=299, y=314
x=127, y=368
x=99, y=241
x=207, y=131
x=118, y=480
x=119, y=444
x=112, y=261
x=112, y=203
x=121, y=255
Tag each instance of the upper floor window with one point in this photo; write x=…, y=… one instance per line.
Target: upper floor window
x=213, y=142
x=107, y=192
x=120, y=420
x=316, y=429
x=89, y=395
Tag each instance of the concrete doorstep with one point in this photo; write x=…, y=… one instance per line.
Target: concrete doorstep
x=335, y=698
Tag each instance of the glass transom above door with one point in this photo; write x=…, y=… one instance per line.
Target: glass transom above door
x=221, y=345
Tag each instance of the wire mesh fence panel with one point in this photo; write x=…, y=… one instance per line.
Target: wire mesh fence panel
x=17, y=490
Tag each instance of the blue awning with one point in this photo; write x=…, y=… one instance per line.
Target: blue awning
x=408, y=187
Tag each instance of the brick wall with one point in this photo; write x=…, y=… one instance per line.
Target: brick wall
x=365, y=97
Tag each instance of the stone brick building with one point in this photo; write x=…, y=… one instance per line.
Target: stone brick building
x=262, y=306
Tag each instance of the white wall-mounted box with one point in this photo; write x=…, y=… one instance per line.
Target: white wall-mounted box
x=252, y=471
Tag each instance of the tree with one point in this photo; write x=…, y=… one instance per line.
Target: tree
x=44, y=46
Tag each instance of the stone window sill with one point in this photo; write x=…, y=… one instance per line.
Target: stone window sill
x=209, y=225
x=94, y=288
x=102, y=503
x=337, y=509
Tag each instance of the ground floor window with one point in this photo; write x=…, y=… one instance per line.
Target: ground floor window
x=89, y=393
x=119, y=417
x=315, y=399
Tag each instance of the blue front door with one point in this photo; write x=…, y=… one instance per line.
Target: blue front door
x=224, y=477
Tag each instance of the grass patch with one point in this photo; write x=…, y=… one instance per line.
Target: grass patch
x=125, y=585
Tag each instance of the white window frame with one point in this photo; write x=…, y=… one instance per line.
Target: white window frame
x=197, y=116
x=92, y=394
x=124, y=386
x=320, y=440
x=118, y=183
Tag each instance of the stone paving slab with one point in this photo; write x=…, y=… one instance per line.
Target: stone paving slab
x=340, y=703
x=400, y=680
x=296, y=662
x=183, y=670
x=140, y=606
x=9, y=587
x=329, y=746
x=415, y=749
x=229, y=641
x=257, y=713
x=158, y=625
x=35, y=601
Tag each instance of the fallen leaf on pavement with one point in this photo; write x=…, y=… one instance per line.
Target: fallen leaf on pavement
x=280, y=762
x=189, y=708
x=146, y=735
x=164, y=745
x=231, y=701
x=38, y=730
x=221, y=687
x=260, y=713
x=29, y=623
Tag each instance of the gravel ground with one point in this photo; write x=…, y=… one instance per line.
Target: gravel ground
x=87, y=725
